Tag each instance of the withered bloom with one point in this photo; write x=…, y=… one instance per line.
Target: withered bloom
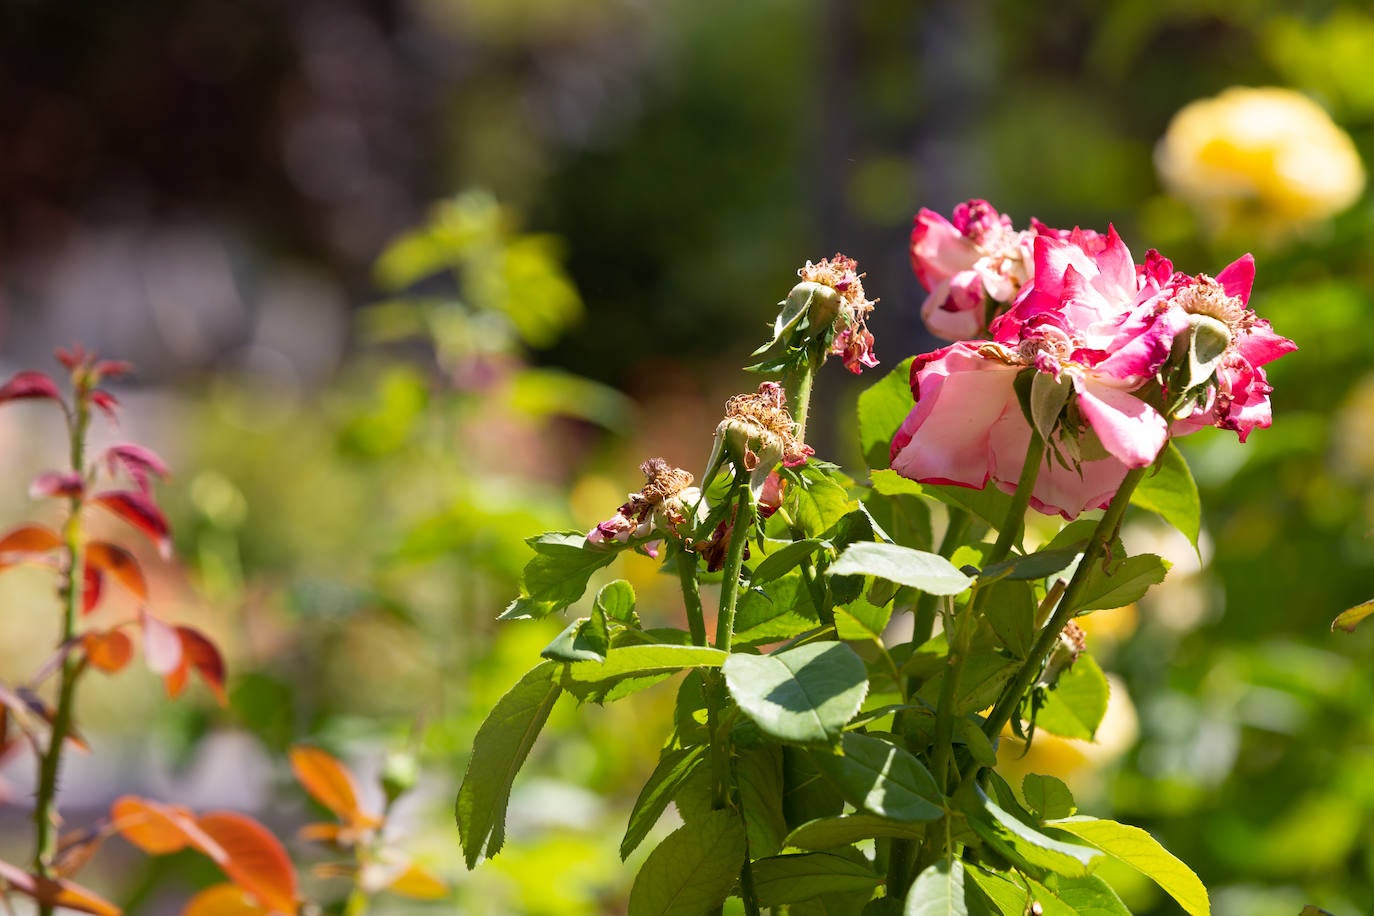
x=758, y=431
x=662, y=507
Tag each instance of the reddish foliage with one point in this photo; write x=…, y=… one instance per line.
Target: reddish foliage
x=140, y=463
x=119, y=563
x=25, y=385
x=52, y=484
x=56, y=892
x=139, y=510
x=108, y=651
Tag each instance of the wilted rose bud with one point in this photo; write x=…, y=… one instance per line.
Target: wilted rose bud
x=757, y=431
x=839, y=309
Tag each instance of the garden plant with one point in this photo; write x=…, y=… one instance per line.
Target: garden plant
x=864, y=647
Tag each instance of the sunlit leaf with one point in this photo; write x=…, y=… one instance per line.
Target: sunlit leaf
x=1351, y=618
x=662, y=786
x=558, y=574
x=57, y=892
x=222, y=900
x=329, y=782
x=938, y=891
x=692, y=870
x=499, y=750
x=882, y=778
x=160, y=829
x=1136, y=848
x=1020, y=842
x=1170, y=491
x=1117, y=584
x=1047, y=796
x=928, y=572
x=802, y=696
x=254, y=859
x=1075, y=706
x=846, y=829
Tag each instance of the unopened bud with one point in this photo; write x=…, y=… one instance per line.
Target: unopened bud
x=400, y=772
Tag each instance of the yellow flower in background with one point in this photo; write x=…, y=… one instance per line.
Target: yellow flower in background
x=1267, y=159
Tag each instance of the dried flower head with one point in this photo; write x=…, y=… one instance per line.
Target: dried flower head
x=852, y=340
x=758, y=430
x=661, y=507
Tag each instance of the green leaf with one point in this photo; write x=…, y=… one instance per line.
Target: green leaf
x=818, y=502
x=558, y=574
x=595, y=681
x=784, y=559
x=758, y=774
x=904, y=518
x=1085, y=896
x=862, y=619
x=928, y=572
x=692, y=871
x=617, y=601
x=882, y=408
x=889, y=483
x=970, y=734
x=938, y=891
x=806, y=795
x=1125, y=583
x=1349, y=619
x=847, y=829
x=585, y=639
x=1136, y=848
x=672, y=771
x=792, y=878
x=800, y=696
x=1010, y=611
x=1005, y=895
x=499, y=750
x=1047, y=399
x=1036, y=565
x=882, y=779
x=1047, y=796
x=1171, y=492
x=1074, y=707
x=1019, y=842
x=780, y=609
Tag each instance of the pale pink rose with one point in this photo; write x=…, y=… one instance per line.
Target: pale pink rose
x=964, y=263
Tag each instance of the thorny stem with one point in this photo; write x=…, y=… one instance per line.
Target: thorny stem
x=1030, y=669
x=796, y=385
x=691, y=595
x=734, y=559
x=71, y=587
x=1016, y=512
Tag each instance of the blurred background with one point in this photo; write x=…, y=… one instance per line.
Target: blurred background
x=407, y=282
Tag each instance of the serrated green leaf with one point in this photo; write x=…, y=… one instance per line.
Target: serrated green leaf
x=672, y=771
x=692, y=871
x=792, y=878
x=817, y=502
x=1010, y=611
x=847, y=829
x=784, y=560
x=882, y=779
x=498, y=751
x=928, y=572
x=889, y=483
x=558, y=574
x=799, y=696
x=1349, y=619
x=1047, y=796
x=938, y=891
x=882, y=408
x=861, y=619
x=1122, y=584
x=1003, y=894
x=758, y=774
x=583, y=640
x=1036, y=565
x=1048, y=396
x=1171, y=493
x=806, y=794
x=630, y=668
x=617, y=601
x=777, y=610
x=1019, y=842
x=1136, y=848
x=1085, y=896
x=1074, y=707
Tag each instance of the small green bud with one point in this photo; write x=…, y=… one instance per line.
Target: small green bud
x=400, y=772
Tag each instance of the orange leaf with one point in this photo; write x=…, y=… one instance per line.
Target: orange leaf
x=109, y=651
x=30, y=539
x=200, y=653
x=418, y=883
x=75, y=848
x=159, y=829
x=323, y=833
x=329, y=782
x=55, y=892
x=256, y=860
x=92, y=585
x=118, y=562
x=222, y=900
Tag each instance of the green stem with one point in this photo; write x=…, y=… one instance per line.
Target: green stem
x=691, y=595
x=959, y=632
x=1049, y=634
x=734, y=559
x=796, y=385
x=1016, y=512
x=927, y=604
x=71, y=587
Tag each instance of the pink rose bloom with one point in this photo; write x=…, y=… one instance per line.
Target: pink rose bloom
x=1092, y=319
x=963, y=263
x=1239, y=399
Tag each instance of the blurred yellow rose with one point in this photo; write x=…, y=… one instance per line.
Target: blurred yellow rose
x=1268, y=160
